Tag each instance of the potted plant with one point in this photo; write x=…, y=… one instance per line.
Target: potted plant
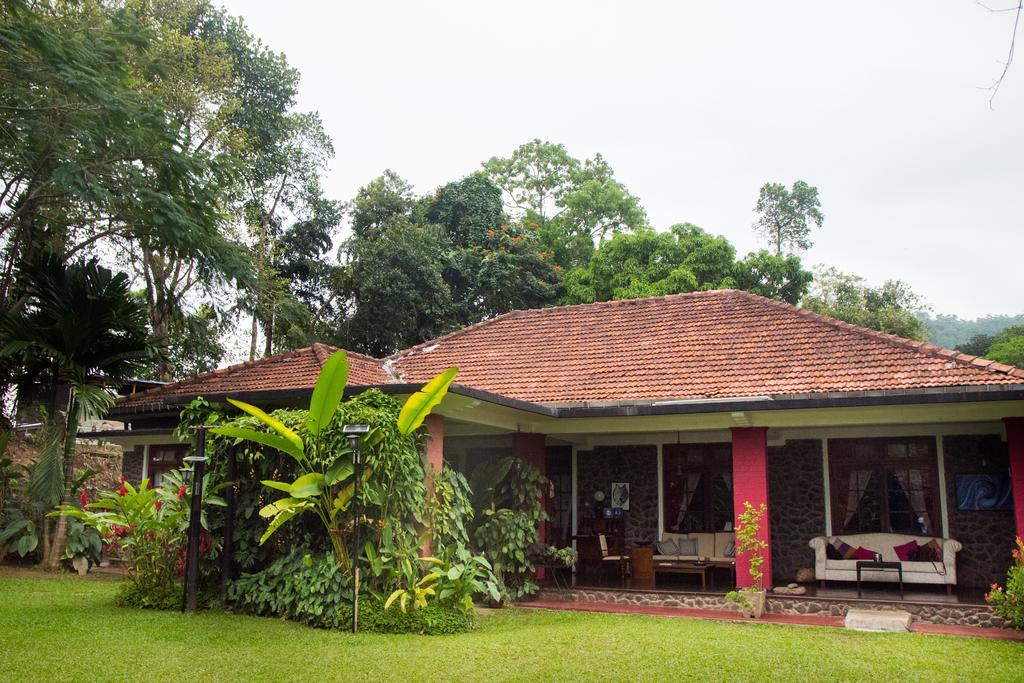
x=749, y=544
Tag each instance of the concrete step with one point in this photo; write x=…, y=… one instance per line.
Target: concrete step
x=878, y=620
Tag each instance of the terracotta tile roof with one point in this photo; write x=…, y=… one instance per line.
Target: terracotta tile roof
x=715, y=344
x=718, y=344
x=296, y=369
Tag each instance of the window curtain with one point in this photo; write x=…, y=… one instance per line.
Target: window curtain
x=857, y=483
x=911, y=485
x=692, y=483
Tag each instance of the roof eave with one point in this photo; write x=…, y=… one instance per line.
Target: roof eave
x=659, y=406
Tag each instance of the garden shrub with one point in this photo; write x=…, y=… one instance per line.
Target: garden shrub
x=508, y=496
x=434, y=619
x=311, y=590
x=150, y=594
x=147, y=527
x=1008, y=603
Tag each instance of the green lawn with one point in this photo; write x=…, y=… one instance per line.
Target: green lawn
x=66, y=628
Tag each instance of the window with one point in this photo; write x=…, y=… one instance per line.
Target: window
x=163, y=459
x=885, y=485
x=698, y=487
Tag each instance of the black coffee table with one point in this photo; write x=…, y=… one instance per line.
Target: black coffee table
x=872, y=565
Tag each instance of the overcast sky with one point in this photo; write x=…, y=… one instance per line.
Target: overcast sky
x=695, y=105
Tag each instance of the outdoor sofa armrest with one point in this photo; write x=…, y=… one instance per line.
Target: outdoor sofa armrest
x=818, y=543
x=950, y=547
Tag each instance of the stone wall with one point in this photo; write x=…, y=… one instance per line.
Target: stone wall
x=638, y=465
x=933, y=613
x=986, y=536
x=796, y=505
x=102, y=458
x=131, y=465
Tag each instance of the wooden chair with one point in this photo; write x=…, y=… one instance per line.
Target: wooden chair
x=618, y=558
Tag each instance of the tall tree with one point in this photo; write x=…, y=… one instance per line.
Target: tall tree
x=306, y=261
x=89, y=155
x=395, y=289
x=773, y=276
x=785, y=216
x=491, y=266
x=79, y=333
x=572, y=204
x=1008, y=347
x=649, y=263
x=889, y=308
x=282, y=189
x=229, y=94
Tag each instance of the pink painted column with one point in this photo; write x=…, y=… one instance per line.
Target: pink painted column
x=1015, y=446
x=750, y=484
x=530, y=447
x=435, y=459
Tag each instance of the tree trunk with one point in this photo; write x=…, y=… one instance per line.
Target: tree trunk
x=268, y=328
x=252, y=338
x=55, y=553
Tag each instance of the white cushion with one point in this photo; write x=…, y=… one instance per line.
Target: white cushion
x=705, y=544
x=722, y=541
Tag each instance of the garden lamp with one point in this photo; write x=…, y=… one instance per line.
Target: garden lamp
x=352, y=433
x=198, y=462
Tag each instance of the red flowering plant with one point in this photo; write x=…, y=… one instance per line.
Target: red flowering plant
x=1008, y=602
x=147, y=527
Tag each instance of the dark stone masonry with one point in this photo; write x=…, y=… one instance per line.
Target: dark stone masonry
x=986, y=536
x=131, y=465
x=637, y=465
x=932, y=613
x=796, y=505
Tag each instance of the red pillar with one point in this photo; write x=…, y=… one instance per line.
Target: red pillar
x=530, y=447
x=750, y=484
x=1015, y=446
x=435, y=459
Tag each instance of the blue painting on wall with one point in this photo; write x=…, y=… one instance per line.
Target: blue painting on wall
x=983, y=492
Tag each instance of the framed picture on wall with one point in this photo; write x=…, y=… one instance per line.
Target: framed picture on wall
x=620, y=495
x=983, y=492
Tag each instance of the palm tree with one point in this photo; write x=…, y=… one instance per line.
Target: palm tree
x=79, y=332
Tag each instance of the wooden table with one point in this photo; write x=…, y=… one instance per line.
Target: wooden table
x=724, y=564
x=871, y=565
x=674, y=567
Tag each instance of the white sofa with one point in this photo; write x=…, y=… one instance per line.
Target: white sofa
x=943, y=572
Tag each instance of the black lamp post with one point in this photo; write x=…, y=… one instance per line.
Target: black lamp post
x=198, y=462
x=352, y=433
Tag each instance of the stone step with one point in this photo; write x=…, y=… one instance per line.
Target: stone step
x=878, y=620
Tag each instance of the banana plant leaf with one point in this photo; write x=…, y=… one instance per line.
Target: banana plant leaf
x=423, y=401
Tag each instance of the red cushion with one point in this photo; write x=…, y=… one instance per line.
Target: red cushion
x=906, y=551
x=863, y=554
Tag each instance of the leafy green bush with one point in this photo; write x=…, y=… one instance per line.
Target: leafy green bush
x=434, y=619
x=508, y=496
x=148, y=527
x=311, y=590
x=1008, y=603
x=150, y=594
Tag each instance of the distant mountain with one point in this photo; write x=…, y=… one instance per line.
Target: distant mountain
x=950, y=330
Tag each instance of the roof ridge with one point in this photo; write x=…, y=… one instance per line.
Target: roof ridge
x=322, y=352
x=924, y=348
x=398, y=355
x=413, y=350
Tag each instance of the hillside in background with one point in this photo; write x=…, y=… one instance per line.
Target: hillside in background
x=950, y=330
